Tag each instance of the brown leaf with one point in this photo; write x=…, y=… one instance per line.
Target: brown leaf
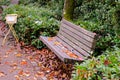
x=9, y=51
x=2, y=74
x=30, y=57
x=57, y=43
x=64, y=75
x=17, y=77
x=56, y=73
x=39, y=74
x=13, y=64
x=18, y=55
x=23, y=62
x=71, y=54
x=27, y=73
x=46, y=69
x=50, y=38
x=7, y=63
x=20, y=72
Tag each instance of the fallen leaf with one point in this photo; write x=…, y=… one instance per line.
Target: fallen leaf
x=20, y=72
x=39, y=74
x=2, y=74
x=7, y=63
x=27, y=73
x=72, y=55
x=57, y=43
x=56, y=73
x=14, y=68
x=18, y=55
x=23, y=62
x=17, y=77
x=13, y=64
x=46, y=69
x=9, y=51
x=50, y=38
x=39, y=64
x=64, y=75
x=30, y=57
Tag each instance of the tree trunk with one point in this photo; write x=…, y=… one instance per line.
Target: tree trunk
x=68, y=9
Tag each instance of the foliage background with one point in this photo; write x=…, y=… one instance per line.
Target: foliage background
x=33, y=22
x=100, y=16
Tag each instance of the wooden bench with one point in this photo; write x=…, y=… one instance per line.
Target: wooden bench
x=72, y=42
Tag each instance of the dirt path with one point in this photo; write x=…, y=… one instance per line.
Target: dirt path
x=14, y=65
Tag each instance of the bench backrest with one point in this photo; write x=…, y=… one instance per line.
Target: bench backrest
x=14, y=1
x=81, y=40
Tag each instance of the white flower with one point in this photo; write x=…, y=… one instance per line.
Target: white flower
x=38, y=22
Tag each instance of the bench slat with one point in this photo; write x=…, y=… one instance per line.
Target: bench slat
x=69, y=47
x=58, y=49
x=76, y=42
x=76, y=39
x=91, y=34
x=78, y=33
x=81, y=51
x=43, y=39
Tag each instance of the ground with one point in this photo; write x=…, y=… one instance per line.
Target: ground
x=21, y=62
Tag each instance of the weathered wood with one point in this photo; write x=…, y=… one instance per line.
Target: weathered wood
x=58, y=49
x=73, y=38
x=76, y=39
x=81, y=51
x=69, y=47
x=14, y=1
x=84, y=31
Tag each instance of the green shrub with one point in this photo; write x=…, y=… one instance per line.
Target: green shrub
x=54, y=5
x=33, y=22
x=101, y=17
x=106, y=66
x=4, y=2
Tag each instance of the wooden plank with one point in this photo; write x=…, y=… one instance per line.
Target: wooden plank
x=52, y=48
x=76, y=37
x=84, y=31
x=78, y=33
x=14, y=1
x=76, y=42
x=57, y=49
x=61, y=48
x=81, y=51
x=69, y=47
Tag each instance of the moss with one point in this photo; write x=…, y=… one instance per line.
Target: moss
x=68, y=9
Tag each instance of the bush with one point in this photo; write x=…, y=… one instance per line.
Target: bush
x=4, y=2
x=54, y=5
x=33, y=22
x=101, y=17
x=106, y=66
